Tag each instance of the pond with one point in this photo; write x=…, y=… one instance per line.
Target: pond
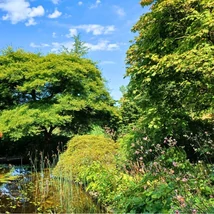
x=22, y=191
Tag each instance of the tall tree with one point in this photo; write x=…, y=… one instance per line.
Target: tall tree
x=40, y=94
x=171, y=66
x=79, y=47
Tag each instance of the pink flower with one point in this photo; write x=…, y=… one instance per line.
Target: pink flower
x=184, y=179
x=174, y=164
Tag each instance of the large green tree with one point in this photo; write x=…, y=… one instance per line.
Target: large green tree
x=40, y=94
x=171, y=67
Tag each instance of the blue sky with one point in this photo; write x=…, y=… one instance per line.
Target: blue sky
x=47, y=25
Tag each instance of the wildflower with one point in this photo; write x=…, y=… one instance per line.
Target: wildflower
x=194, y=211
x=184, y=179
x=141, y=158
x=162, y=152
x=155, y=163
x=183, y=205
x=158, y=146
x=181, y=200
x=137, y=152
x=150, y=150
x=171, y=171
x=174, y=164
x=177, y=212
x=145, y=138
x=132, y=144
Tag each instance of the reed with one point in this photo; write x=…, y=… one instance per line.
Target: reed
x=57, y=194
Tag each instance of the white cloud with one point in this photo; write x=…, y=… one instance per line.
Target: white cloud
x=20, y=10
x=42, y=45
x=113, y=47
x=96, y=29
x=107, y=63
x=119, y=11
x=103, y=45
x=36, y=11
x=54, y=35
x=95, y=5
x=72, y=32
x=57, y=46
x=55, y=1
x=66, y=16
x=55, y=14
x=30, y=22
x=80, y=3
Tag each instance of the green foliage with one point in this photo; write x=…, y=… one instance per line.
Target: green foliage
x=101, y=181
x=57, y=93
x=6, y=175
x=170, y=65
x=79, y=47
x=167, y=185
x=85, y=151
x=150, y=195
x=97, y=130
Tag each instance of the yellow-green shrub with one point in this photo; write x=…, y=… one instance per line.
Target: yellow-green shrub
x=82, y=152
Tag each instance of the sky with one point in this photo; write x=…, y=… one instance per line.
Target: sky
x=47, y=25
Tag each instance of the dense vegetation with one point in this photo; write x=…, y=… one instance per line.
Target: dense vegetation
x=161, y=157
x=170, y=65
x=53, y=95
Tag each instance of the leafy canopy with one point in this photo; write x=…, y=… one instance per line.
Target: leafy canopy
x=171, y=66
x=39, y=94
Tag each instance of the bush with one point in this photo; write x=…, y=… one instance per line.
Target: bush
x=169, y=184
x=82, y=152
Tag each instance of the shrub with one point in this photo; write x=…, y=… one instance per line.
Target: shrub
x=82, y=152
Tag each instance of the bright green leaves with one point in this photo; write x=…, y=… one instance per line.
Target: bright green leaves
x=18, y=122
x=170, y=65
x=41, y=93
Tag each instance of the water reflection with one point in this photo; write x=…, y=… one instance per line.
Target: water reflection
x=24, y=192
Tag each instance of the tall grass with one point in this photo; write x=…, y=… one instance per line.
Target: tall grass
x=56, y=194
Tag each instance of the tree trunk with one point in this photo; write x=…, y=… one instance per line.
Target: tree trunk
x=48, y=134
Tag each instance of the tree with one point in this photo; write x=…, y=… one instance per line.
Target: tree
x=40, y=94
x=171, y=67
x=79, y=47
x=128, y=109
